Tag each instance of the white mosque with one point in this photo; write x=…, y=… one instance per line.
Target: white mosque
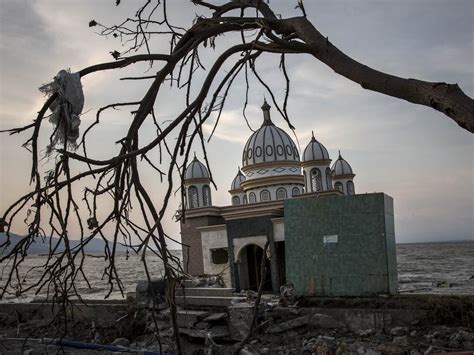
x=272, y=170
x=307, y=211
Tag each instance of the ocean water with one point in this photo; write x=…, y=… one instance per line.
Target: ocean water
x=442, y=268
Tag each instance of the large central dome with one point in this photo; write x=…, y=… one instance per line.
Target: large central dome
x=269, y=143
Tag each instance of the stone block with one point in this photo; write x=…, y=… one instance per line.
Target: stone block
x=240, y=320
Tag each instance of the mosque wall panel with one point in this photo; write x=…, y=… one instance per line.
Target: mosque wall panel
x=341, y=245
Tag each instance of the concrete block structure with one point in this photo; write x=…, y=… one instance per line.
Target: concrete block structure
x=321, y=236
x=348, y=250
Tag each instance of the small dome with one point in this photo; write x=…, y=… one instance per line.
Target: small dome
x=269, y=143
x=315, y=151
x=196, y=170
x=239, y=178
x=341, y=167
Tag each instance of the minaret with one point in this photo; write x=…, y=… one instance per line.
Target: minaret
x=196, y=183
x=237, y=194
x=316, y=170
x=343, y=176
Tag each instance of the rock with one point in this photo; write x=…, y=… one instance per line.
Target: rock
x=398, y=331
x=324, y=321
x=215, y=317
x=366, y=332
x=429, y=350
x=240, y=319
x=291, y=324
x=121, y=342
x=152, y=326
x=461, y=336
x=217, y=332
x=149, y=293
x=246, y=351
x=201, y=325
x=400, y=341
x=315, y=346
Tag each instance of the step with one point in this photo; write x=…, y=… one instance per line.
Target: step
x=187, y=318
x=205, y=291
x=211, y=301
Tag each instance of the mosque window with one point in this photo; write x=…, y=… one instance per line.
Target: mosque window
x=281, y=193
x=305, y=180
x=339, y=186
x=316, y=182
x=295, y=191
x=265, y=195
x=219, y=256
x=350, y=188
x=206, y=195
x=193, y=197
x=235, y=200
x=244, y=200
x=252, y=198
x=328, y=179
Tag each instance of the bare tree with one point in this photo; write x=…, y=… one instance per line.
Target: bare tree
x=53, y=203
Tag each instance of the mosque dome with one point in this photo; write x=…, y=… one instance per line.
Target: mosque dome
x=196, y=170
x=341, y=167
x=315, y=151
x=269, y=144
x=239, y=178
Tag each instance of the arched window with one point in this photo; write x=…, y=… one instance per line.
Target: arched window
x=252, y=198
x=265, y=195
x=305, y=180
x=193, y=197
x=350, y=188
x=235, y=200
x=316, y=182
x=338, y=186
x=295, y=191
x=244, y=199
x=281, y=193
x=206, y=195
x=328, y=179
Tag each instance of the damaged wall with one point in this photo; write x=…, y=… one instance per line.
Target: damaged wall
x=341, y=245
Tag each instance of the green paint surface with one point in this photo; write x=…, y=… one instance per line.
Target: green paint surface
x=362, y=262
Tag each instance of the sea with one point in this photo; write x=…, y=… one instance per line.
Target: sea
x=439, y=268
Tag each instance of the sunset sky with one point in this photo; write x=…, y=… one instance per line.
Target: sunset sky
x=415, y=154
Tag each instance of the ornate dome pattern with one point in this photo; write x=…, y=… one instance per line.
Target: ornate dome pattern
x=196, y=170
x=269, y=143
x=239, y=178
x=315, y=151
x=341, y=167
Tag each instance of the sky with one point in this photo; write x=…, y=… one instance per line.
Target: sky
x=415, y=154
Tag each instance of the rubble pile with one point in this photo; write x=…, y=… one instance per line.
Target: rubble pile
x=218, y=320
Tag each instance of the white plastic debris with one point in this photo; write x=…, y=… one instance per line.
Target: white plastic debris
x=66, y=109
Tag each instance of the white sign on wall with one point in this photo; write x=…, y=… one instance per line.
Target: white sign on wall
x=330, y=239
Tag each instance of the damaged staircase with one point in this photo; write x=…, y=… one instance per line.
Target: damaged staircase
x=203, y=311
x=206, y=298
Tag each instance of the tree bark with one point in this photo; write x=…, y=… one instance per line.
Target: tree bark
x=446, y=98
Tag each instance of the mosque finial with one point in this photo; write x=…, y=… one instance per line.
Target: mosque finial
x=265, y=106
x=312, y=134
x=266, y=113
x=195, y=155
x=340, y=156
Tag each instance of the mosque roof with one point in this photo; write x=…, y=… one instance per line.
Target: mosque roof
x=196, y=170
x=269, y=143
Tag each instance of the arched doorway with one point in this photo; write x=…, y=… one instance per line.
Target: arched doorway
x=250, y=261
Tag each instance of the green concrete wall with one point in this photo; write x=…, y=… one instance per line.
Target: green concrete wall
x=362, y=262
